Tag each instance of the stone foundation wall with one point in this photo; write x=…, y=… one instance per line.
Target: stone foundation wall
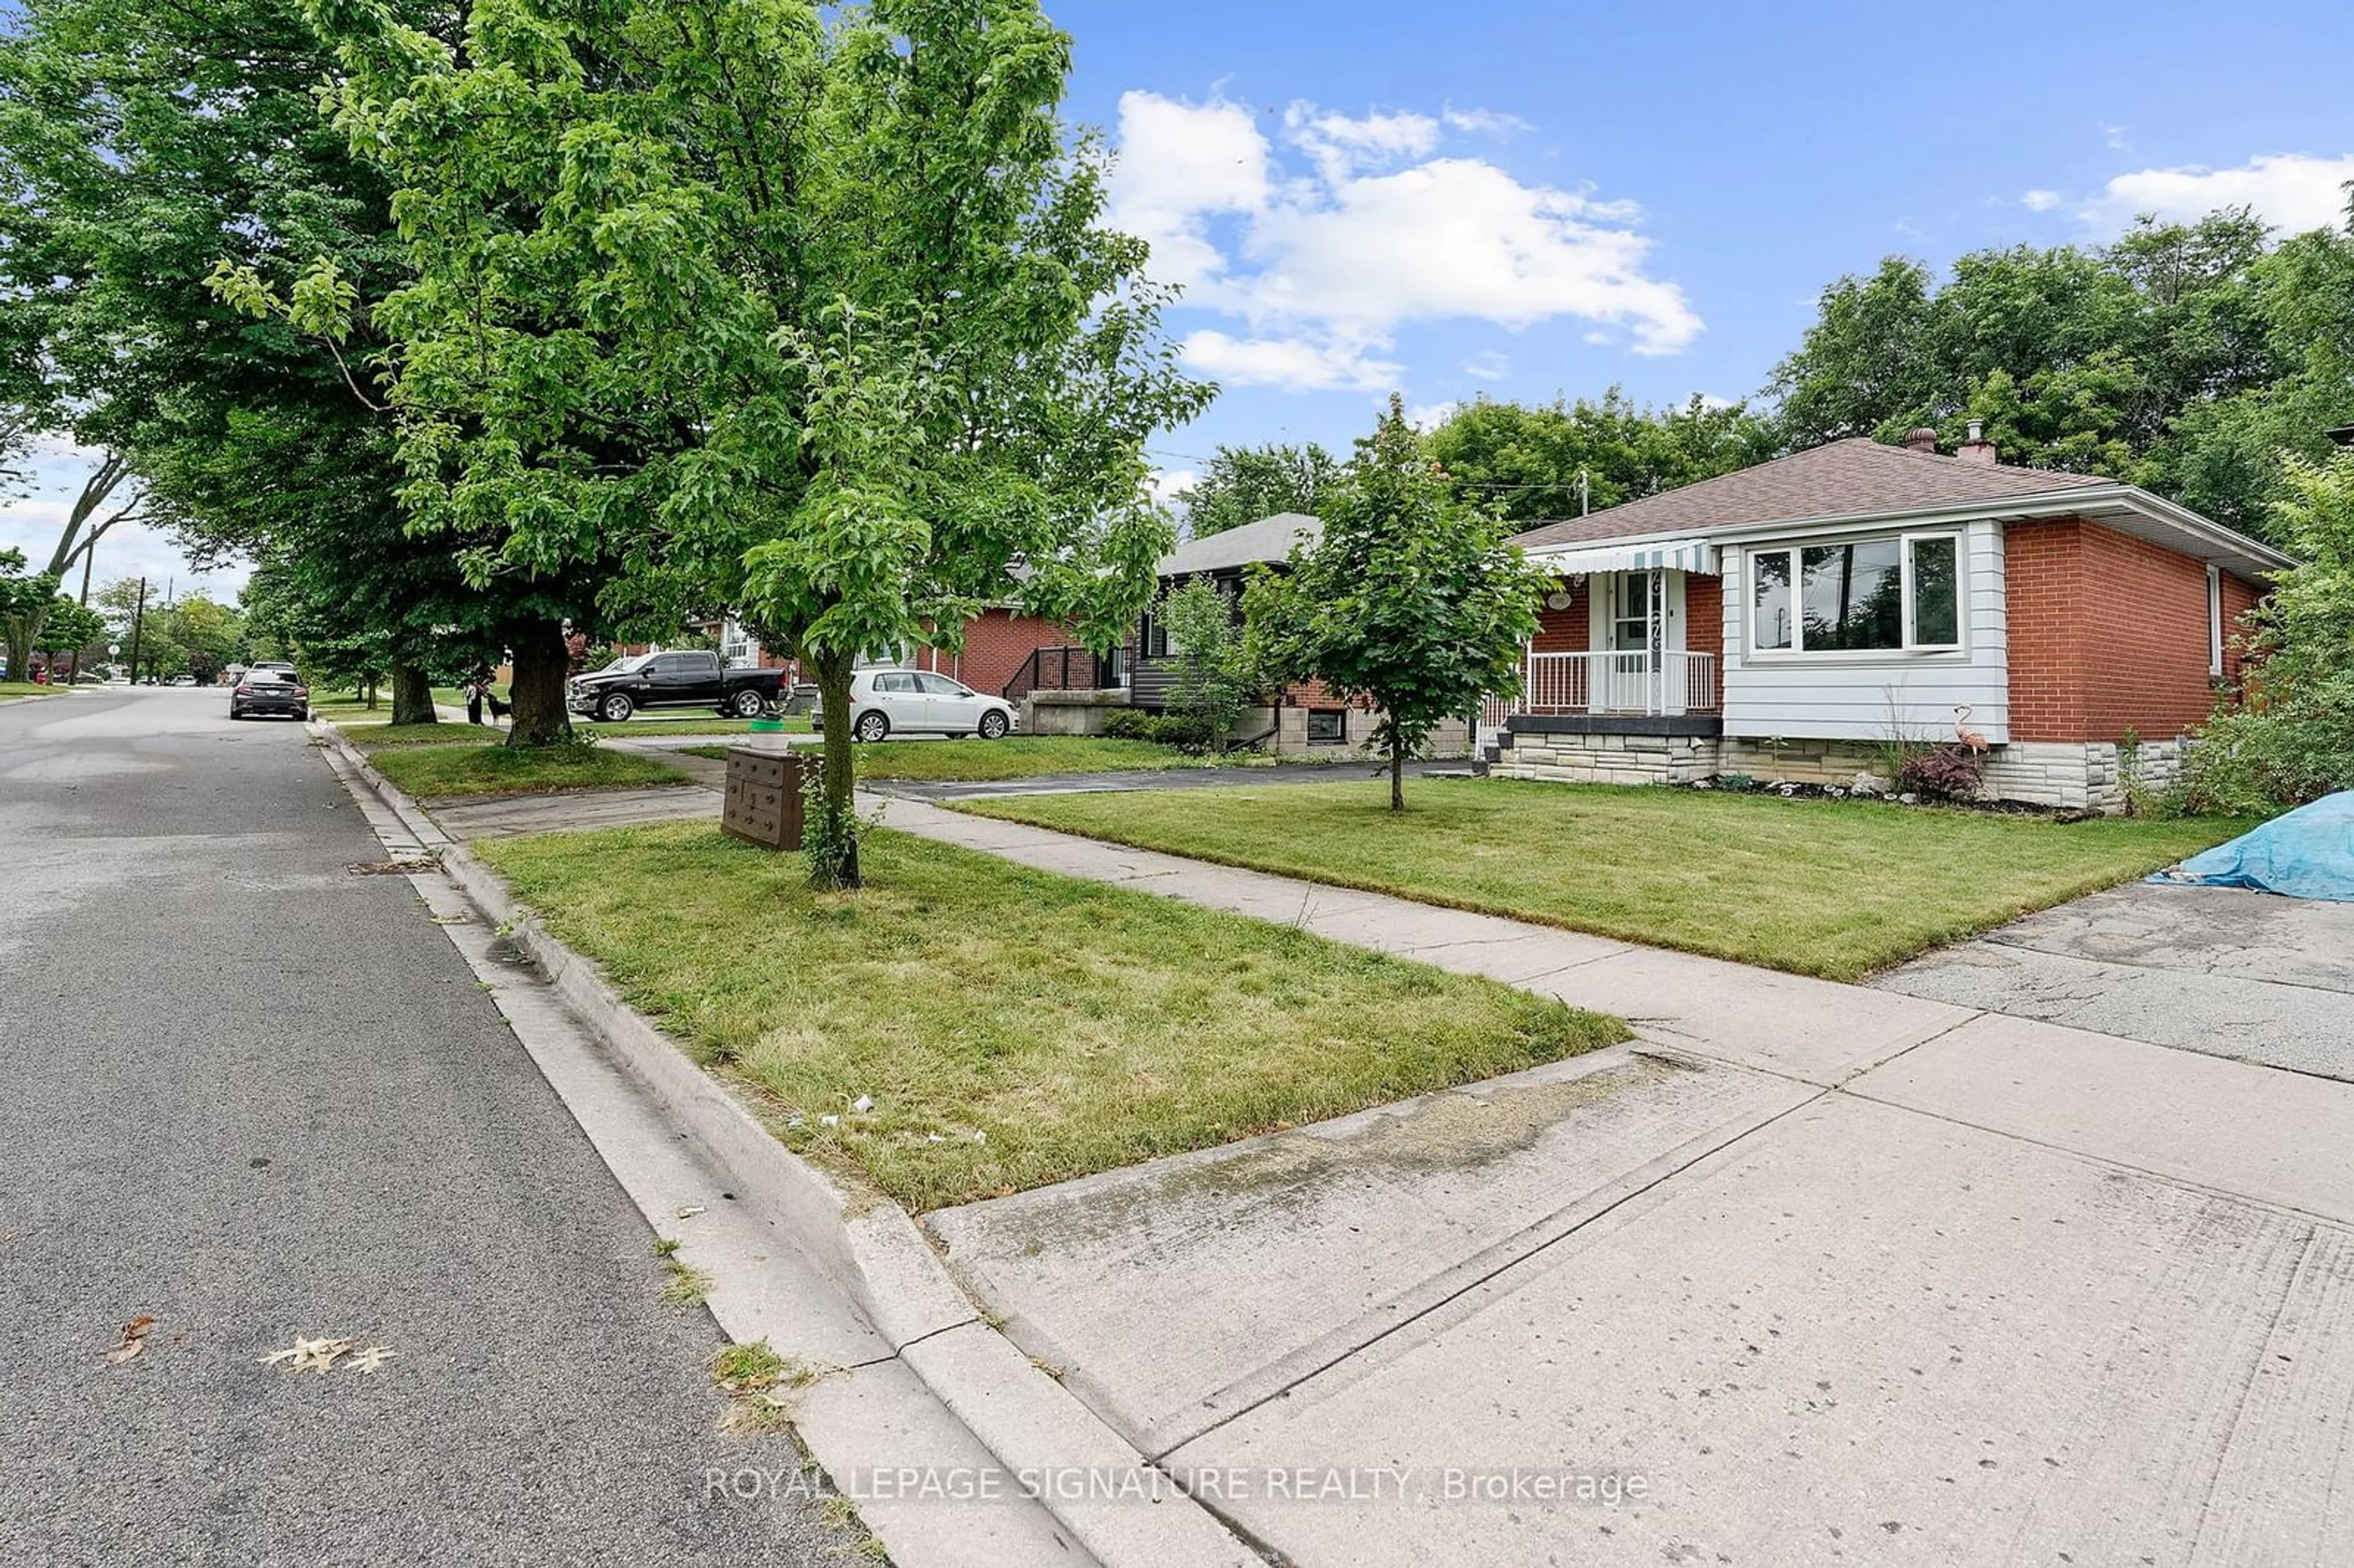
x=1451, y=737
x=1069, y=713
x=1799, y=761
x=1608, y=758
x=2083, y=775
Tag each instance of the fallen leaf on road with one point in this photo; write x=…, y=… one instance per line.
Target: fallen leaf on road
x=689, y=1211
x=133, y=1342
x=453, y=919
x=368, y=1360
x=318, y=1355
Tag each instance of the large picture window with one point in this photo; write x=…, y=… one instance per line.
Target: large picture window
x=1858, y=596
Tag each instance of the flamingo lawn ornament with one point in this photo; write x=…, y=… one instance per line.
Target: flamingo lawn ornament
x=1963, y=732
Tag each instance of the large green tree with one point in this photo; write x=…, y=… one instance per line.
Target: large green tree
x=2185, y=357
x=1410, y=598
x=1526, y=461
x=1242, y=484
x=143, y=140
x=766, y=304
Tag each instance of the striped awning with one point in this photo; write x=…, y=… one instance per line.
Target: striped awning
x=1658, y=555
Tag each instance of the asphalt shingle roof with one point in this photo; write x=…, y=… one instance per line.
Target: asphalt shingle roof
x=1267, y=540
x=1857, y=476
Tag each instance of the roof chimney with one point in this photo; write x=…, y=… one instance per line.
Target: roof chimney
x=1977, y=449
x=1923, y=439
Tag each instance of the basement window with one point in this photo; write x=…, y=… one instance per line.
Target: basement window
x=1328, y=727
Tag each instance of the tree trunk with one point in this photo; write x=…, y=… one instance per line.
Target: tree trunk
x=1397, y=773
x=838, y=831
x=367, y=692
x=540, y=668
x=413, y=695
x=20, y=649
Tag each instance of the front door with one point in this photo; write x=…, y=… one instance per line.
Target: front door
x=1641, y=634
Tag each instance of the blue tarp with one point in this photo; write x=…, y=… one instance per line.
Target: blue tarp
x=2309, y=853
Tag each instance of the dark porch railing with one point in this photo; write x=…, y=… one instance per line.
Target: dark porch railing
x=1065, y=670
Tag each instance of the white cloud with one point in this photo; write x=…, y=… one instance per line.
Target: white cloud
x=1322, y=266
x=1488, y=367
x=1342, y=146
x=1296, y=363
x=1484, y=122
x=1430, y=416
x=1180, y=164
x=2040, y=201
x=1163, y=484
x=2295, y=191
x=2115, y=137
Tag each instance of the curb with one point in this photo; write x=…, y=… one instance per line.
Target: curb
x=870, y=1250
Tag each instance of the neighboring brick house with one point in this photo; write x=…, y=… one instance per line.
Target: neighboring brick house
x=1788, y=619
x=998, y=645
x=1301, y=719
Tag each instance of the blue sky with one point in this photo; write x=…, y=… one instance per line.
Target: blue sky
x=1530, y=198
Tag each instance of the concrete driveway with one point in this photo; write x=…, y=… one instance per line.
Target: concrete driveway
x=2247, y=975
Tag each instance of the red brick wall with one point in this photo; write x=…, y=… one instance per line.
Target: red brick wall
x=997, y=642
x=1567, y=630
x=2107, y=633
x=1704, y=616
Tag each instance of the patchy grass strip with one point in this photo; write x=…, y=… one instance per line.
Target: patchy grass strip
x=1818, y=887
x=442, y=771
x=963, y=1028
x=388, y=736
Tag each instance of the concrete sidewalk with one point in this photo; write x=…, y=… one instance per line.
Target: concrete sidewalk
x=1807, y=1273
x=1817, y=1031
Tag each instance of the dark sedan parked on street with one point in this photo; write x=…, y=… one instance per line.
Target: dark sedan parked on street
x=269, y=691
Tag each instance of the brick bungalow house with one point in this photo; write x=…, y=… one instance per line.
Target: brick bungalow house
x=1300, y=719
x=999, y=645
x=1787, y=621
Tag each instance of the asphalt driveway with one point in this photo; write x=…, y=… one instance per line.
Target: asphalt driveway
x=2251, y=975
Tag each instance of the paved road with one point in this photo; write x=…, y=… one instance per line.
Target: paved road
x=260, y=1097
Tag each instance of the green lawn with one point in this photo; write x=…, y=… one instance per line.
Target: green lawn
x=426, y=770
x=30, y=689
x=1820, y=887
x=1015, y=756
x=1012, y=1027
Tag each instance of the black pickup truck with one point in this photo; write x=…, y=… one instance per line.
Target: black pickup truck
x=689, y=679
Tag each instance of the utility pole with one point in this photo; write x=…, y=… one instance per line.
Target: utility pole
x=138, y=622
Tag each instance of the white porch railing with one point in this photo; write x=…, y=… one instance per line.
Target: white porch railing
x=1617, y=683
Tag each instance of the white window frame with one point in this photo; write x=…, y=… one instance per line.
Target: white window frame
x=1905, y=542
x=2214, y=622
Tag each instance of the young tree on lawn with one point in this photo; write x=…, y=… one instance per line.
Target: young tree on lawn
x=770, y=305
x=1409, y=599
x=1212, y=681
